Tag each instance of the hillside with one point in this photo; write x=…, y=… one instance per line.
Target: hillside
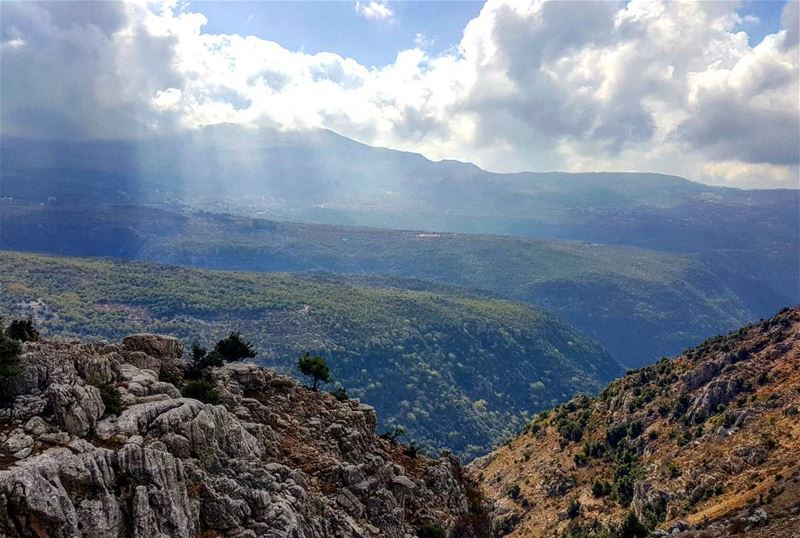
x=705, y=444
x=319, y=176
x=456, y=370
x=640, y=304
x=97, y=443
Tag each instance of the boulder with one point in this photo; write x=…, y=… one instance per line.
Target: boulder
x=77, y=408
x=157, y=346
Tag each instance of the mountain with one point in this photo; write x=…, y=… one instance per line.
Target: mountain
x=702, y=445
x=97, y=443
x=640, y=304
x=456, y=370
x=319, y=176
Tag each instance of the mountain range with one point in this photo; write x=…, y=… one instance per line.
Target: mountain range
x=652, y=263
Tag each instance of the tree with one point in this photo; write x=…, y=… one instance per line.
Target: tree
x=22, y=330
x=235, y=348
x=202, y=360
x=10, y=351
x=315, y=367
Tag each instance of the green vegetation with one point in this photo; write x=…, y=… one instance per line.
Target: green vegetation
x=456, y=370
x=201, y=389
x=235, y=348
x=431, y=530
x=640, y=304
x=10, y=367
x=340, y=393
x=630, y=527
x=22, y=330
x=315, y=367
x=110, y=397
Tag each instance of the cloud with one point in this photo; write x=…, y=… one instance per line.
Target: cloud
x=374, y=10
x=660, y=86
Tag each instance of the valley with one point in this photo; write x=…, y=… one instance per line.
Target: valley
x=457, y=371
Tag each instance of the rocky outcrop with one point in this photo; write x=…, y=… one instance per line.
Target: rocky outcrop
x=703, y=445
x=274, y=460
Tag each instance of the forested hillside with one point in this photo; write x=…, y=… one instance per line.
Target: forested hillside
x=640, y=304
x=455, y=370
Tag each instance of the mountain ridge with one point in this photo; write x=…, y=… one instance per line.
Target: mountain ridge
x=641, y=304
x=700, y=445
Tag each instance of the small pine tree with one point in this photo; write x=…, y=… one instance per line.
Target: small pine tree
x=235, y=348
x=10, y=367
x=202, y=360
x=315, y=367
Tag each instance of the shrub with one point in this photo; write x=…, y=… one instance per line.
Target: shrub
x=431, y=530
x=201, y=389
x=411, y=450
x=514, y=491
x=315, y=367
x=235, y=348
x=202, y=360
x=340, y=393
x=394, y=434
x=574, y=509
x=600, y=488
x=10, y=366
x=22, y=330
x=110, y=397
x=673, y=471
x=570, y=430
x=615, y=434
x=632, y=528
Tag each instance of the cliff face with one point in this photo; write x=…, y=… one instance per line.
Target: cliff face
x=703, y=445
x=274, y=460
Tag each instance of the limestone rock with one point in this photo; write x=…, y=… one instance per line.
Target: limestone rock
x=157, y=346
x=77, y=408
x=276, y=460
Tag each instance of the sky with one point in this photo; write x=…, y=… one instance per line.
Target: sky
x=705, y=90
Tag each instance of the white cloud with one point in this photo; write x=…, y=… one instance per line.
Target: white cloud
x=374, y=10
x=660, y=86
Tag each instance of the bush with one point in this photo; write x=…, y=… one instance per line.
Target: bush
x=110, y=397
x=431, y=530
x=202, y=361
x=235, y=348
x=340, y=394
x=574, y=509
x=673, y=471
x=315, y=367
x=394, y=434
x=411, y=450
x=632, y=528
x=22, y=330
x=615, y=434
x=600, y=488
x=10, y=351
x=202, y=390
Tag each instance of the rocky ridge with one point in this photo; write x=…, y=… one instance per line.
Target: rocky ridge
x=275, y=459
x=704, y=445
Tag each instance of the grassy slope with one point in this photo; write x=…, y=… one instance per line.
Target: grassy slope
x=714, y=433
x=639, y=304
x=456, y=370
